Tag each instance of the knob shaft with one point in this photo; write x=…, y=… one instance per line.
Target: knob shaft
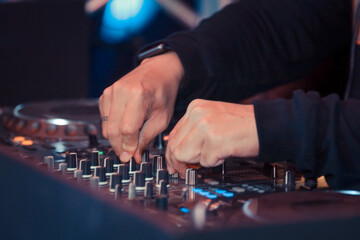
x=145, y=156
x=49, y=160
x=132, y=191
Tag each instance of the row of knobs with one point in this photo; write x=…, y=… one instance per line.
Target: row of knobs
x=111, y=172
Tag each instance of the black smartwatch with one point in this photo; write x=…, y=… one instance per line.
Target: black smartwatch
x=153, y=51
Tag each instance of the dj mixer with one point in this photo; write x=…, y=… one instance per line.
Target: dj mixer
x=60, y=179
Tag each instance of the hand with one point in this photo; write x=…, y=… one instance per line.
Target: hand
x=139, y=105
x=209, y=132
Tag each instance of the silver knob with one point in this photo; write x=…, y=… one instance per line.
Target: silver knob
x=191, y=177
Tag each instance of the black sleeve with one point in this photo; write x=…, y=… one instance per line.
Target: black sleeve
x=320, y=135
x=254, y=45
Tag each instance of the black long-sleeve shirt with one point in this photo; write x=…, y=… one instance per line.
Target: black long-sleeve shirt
x=254, y=45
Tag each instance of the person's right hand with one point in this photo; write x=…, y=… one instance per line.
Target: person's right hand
x=140, y=105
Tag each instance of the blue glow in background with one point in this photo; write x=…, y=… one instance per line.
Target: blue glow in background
x=123, y=18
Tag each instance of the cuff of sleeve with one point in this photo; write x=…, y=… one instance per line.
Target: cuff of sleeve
x=275, y=129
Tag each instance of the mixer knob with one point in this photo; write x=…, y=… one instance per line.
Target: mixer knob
x=132, y=191
x=85, y=167
x=94, y=159
x=34, y=127
x=115, y=179
x=149, y=192
x=163, y=188
x=124, y=171
x=132, y=166
x=49, y=160
x=147, y=168
x=70, y=130
x=158, y=164
x=145, y=156
x=90, y=129
x=101, y=173
x=191, y=177
x=162, y=174
x=117, y=161
x=139, y=178
x=51, y=129
x=71, y=160
x=109, y=166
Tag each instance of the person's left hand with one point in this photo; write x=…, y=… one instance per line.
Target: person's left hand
x=209, y=132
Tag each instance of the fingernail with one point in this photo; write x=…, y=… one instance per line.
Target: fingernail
x=125, y=157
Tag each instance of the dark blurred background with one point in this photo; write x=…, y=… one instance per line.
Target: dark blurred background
x=57, y=49
x=52, y=49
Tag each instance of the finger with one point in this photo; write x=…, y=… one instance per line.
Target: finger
x=151, y=128
x=133, y=118
x=105, y=106
x=211, y=153
x=186, y=147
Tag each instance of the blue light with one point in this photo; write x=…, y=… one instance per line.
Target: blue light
x=228, y=194
x=211, y=196
x=196, y=190
x=220, y=191
x=350, y=192
x=184, y=210
x=204, y=193
x=122, y=18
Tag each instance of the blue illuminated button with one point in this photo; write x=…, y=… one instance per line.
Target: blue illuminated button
x=228, y=194
x=204, y=193
x=211, y=196
x=220, y=191
x=196, y=190
x=184, y=210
